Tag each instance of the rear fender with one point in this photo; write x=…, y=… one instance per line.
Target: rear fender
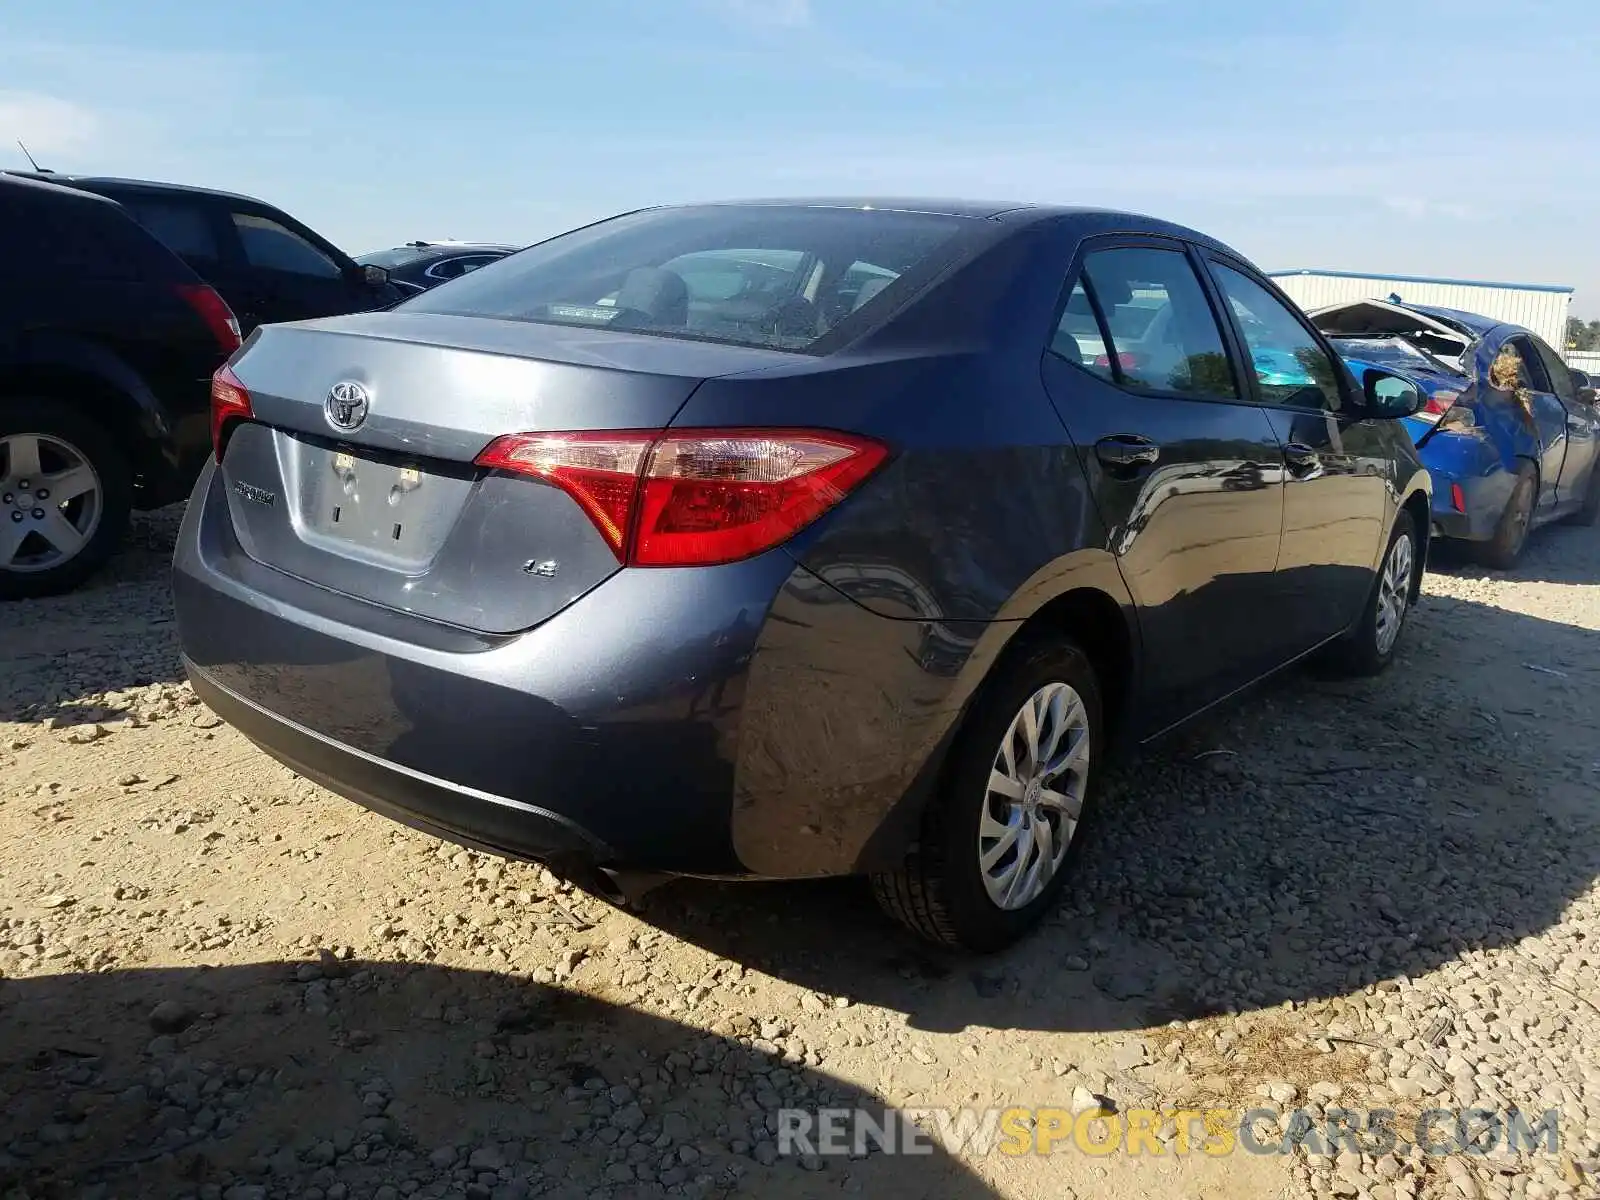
x=949, y=683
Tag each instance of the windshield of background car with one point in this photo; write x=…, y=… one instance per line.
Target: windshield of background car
x=773, y=276
x=398, y=257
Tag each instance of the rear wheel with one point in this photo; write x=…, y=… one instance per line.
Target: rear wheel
x=997, y=840
x=1511, y=532
x=66, y=492
x=1369, y=647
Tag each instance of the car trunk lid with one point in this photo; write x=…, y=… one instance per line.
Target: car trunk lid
x=357, y=470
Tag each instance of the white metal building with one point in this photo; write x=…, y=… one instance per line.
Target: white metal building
x=1541, y=307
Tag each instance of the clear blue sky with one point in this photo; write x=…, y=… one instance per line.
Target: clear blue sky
x=1449, y=137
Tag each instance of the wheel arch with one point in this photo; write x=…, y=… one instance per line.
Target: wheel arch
x=102, y=388
x=1419, y=505
x=1082, y=597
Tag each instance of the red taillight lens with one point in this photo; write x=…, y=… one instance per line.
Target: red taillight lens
x=229, y=402
x=214, y=311
x=598, y=470
x=1126, y=359
x=1458, y=499
x=694, y=497
x=716, y=497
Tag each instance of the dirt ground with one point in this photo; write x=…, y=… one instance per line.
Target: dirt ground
x=218, y=981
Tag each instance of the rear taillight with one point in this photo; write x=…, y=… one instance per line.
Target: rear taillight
x=214, y=311
x=694, y=497
x=229, y=402
x=1126, y=359
x=1438, y=403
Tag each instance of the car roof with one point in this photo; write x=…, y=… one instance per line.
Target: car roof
x=1473, y=323
x=1103, y=220
x=444, y=249
x=44, y=187
x=149, y=186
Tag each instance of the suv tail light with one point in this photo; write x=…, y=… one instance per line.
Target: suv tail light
x=693, y=497
x=214, y=311
x=229, y=402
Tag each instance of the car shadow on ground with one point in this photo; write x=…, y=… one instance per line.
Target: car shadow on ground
x=1315, y=839
x=281, y=1077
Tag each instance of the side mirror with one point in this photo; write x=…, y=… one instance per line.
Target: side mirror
x=1589, y=396
x=1390, y=396
x=1580, y=380
x=375, y=277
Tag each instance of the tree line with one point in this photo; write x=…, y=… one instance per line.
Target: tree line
x=1581, y=335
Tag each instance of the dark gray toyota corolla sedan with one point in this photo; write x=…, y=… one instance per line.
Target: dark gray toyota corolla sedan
x=791, y=538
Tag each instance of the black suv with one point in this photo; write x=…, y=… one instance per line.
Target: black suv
x=107, y=346
x=268, y=266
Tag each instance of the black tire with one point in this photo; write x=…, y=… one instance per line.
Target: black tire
x=98, y=448
x=1361, y=651
x=939, y=893
x=1511, y=532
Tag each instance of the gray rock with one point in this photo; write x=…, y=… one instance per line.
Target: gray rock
x=486, y=1158
x=171, y=1016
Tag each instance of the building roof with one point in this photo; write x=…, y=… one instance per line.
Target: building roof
x=1485, y=283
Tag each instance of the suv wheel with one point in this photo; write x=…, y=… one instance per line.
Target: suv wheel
x=66, y=491
x=997, y=841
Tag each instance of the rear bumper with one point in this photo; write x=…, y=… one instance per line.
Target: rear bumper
x=435, y=806
x=1466, y=463
x=746, y=719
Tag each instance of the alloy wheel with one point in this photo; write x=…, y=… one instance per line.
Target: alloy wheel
x=1035, y=796
x=51, y=502
x=1394, y=592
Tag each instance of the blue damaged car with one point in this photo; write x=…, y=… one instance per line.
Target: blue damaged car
x=1509, y=434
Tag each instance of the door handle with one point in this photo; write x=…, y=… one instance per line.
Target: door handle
x=1301, y=457
x=1127, y=450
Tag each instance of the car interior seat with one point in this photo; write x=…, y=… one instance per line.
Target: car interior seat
x=653, y=296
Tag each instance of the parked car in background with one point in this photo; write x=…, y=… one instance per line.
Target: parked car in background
x=1509, y=433
x=267, y=265
x=791, y=539
x=107, y=345
x=418, y=266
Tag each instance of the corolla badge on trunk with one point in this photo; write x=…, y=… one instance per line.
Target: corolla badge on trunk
x=256, y=495
x=346, y=405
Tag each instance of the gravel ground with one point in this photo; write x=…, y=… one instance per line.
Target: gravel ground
x=218, y=981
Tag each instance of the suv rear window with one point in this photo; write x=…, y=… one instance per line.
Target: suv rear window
x=755, y=275
x=78, y=237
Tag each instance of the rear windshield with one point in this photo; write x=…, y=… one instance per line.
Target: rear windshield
x=398, y=257
x=755, y=275
x=1390, y=352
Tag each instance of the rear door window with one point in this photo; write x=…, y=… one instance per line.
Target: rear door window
x=183, y=228
x=1559, y=375
x=1530, y=370
x=274, y=247
x=1164, y=335
x=449, y=268
x=1078, y=338
x=780, y=276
